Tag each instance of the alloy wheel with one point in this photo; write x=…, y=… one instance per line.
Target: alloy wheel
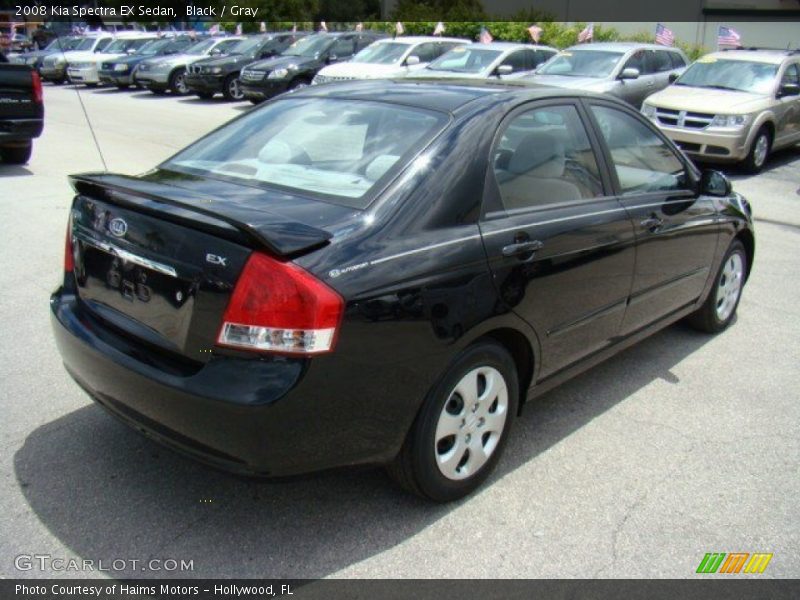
x=761, y=149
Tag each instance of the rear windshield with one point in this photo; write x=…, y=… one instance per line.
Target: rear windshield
x=465, y=60
x=383, y=53
x=338, y=150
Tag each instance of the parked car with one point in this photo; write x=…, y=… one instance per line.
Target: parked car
x=382, y=272
x=54, y=66
x=21, y=111
x=733, y=106
x=34, y=59
x=120, y=72
x=298, y=64
x=168, y=73
x=627, y=70
x=503, y=60
x=86, y=71
x=388, y=58
x=213, y=75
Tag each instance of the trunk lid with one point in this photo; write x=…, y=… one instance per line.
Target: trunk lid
x=159, y=262
x=16, y=93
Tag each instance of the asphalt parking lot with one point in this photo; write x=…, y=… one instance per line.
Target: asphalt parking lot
x=682, y=445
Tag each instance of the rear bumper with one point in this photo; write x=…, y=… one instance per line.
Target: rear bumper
x=17, y=130
x=56, y=73
x=204, y=83
x=716, y=146
x=249, y=416
x=115, y=78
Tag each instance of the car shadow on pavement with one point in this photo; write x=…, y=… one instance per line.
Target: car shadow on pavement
x=13, y=170
x=775, y=161
x=106, y=492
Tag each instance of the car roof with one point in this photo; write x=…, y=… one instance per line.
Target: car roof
x=621, y=47
x=419, y=39
x=758, y=55
x=446, y=95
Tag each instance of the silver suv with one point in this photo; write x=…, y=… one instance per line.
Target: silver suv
x=733, y=106
x=627, y=70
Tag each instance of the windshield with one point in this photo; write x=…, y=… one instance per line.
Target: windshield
x=86, y=44
x=339, y=149
x=465, y=60
x=582, y=63
x=152, y=47
x=383, y=53
x=201, y=47
x=64, y=44
x=737, y=75
x=309, y=46
x=247, y=46
x=120, y=46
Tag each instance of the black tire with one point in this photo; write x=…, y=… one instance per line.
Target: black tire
x=231, y=88
x=122, y=86
x=205, y=95
x=158, y=91
x=415, y=468
x=59, y=81
x=90, y=85
x=754, y=163
x=707, y=317
x=177, y=84
x=16, y=155
x=255, y=100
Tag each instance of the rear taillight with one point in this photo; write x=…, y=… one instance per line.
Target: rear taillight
x=69, y=261
x=278, y=307
x=37, y=87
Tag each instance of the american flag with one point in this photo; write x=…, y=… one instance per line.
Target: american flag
x=214, y=29
x=485, y=37
x=728, y=37
x=294, y=27
x=399, y=29
x=238, y=29
x=323, y=26
x=664, y=36
x=263, y=27
x=536, y=32
x=439, y=29
x=359, y=27
x=587, y=34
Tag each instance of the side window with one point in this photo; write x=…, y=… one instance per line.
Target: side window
x=425, y=52
x=659, y=61
x=636, y=61
x=363, y=42
x=542, y=57
x=443, y=47
x=516, y=60
x=343, y=47
x=544, y=157
x=791, y=74
x=102, y=44
x=643, y=161
x=677, y=60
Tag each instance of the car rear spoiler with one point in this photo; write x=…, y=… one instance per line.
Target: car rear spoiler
x=260, y=228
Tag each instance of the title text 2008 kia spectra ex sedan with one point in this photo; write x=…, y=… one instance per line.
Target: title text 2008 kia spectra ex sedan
x=383, y=272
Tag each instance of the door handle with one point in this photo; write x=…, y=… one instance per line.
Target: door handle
x=652, y=223
x=522, y=248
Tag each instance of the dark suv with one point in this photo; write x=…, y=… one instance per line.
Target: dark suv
x=221, y=74
x=297, y=66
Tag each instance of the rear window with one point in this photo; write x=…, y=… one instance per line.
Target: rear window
x=338, y=150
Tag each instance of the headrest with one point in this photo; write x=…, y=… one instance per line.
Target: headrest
x=539, y=154
x=275, y=151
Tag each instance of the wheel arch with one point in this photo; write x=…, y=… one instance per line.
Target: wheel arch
x=520, y=349
x=748, y=241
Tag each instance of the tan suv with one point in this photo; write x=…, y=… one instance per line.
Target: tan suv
x=732, y=106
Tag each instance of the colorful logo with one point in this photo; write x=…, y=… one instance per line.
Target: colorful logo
x=735, y=562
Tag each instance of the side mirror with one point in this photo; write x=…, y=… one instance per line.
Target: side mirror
x=629, y=73
x=673, y=77
x=788, y=89
x=715, y=183
x=504, y=70
x=412, y=60
x=332, y=58
x=215, y=52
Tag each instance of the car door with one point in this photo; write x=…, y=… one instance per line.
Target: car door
x=634, y=91
x=659, y=65
x=787, y=110
x=559, y=244
x=676, y=228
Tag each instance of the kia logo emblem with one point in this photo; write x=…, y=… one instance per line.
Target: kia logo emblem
x=118, y=227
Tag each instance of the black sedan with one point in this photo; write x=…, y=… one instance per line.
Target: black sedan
x=297, y=65
x=220, y=74
x=384, y=272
